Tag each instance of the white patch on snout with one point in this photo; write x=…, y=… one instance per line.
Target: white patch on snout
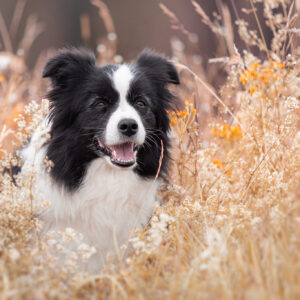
x=121, y=80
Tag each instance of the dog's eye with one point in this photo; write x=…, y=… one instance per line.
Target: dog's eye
x=140, y=103
x=100, y=102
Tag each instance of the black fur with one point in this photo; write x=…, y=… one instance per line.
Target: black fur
x=79, y=86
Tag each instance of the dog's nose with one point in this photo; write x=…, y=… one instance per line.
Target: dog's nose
x=128, y=127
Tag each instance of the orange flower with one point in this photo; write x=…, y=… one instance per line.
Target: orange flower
x=173, y=121
x=227, y=132
x=255, y=65
x=182, y=113
x=185, y=116
x=280, y=65
x=252, y=90
x=219, y=164
x=236, y=132
x=255, y=72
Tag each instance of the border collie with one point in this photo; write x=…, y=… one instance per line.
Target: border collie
x=109, y=144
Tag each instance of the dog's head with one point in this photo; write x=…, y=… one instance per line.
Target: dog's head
x=118, y=112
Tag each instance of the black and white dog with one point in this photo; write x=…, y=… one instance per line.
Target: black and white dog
x=108, y=130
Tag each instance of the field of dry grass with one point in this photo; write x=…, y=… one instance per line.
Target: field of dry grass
x=229, y=224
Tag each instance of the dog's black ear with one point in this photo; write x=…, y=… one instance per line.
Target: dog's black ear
x=157, y=67
x=68, y=64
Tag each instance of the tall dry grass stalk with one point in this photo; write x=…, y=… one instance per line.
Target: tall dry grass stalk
x=229, y=224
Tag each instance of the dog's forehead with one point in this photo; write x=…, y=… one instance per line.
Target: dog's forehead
x=129, y=80
x=126, y=80
x=122, y=78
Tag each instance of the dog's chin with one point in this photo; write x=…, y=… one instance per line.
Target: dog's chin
x=121, y=155
x=118, y=166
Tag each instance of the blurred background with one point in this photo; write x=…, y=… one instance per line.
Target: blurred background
x=138, y=24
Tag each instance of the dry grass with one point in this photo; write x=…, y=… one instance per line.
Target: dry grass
x=229, y=225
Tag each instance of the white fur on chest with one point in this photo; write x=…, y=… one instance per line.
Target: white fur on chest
x=110, y=202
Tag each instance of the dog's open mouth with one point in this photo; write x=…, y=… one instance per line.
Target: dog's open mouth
x=122, y=155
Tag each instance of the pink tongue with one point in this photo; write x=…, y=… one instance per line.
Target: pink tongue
x=123, y=151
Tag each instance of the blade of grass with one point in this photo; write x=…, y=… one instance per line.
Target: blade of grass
x=260, y=29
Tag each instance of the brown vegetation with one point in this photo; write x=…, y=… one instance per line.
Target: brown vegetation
x=229, y=224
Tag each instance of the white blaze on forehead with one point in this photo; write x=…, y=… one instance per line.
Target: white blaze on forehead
x=122, y=78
